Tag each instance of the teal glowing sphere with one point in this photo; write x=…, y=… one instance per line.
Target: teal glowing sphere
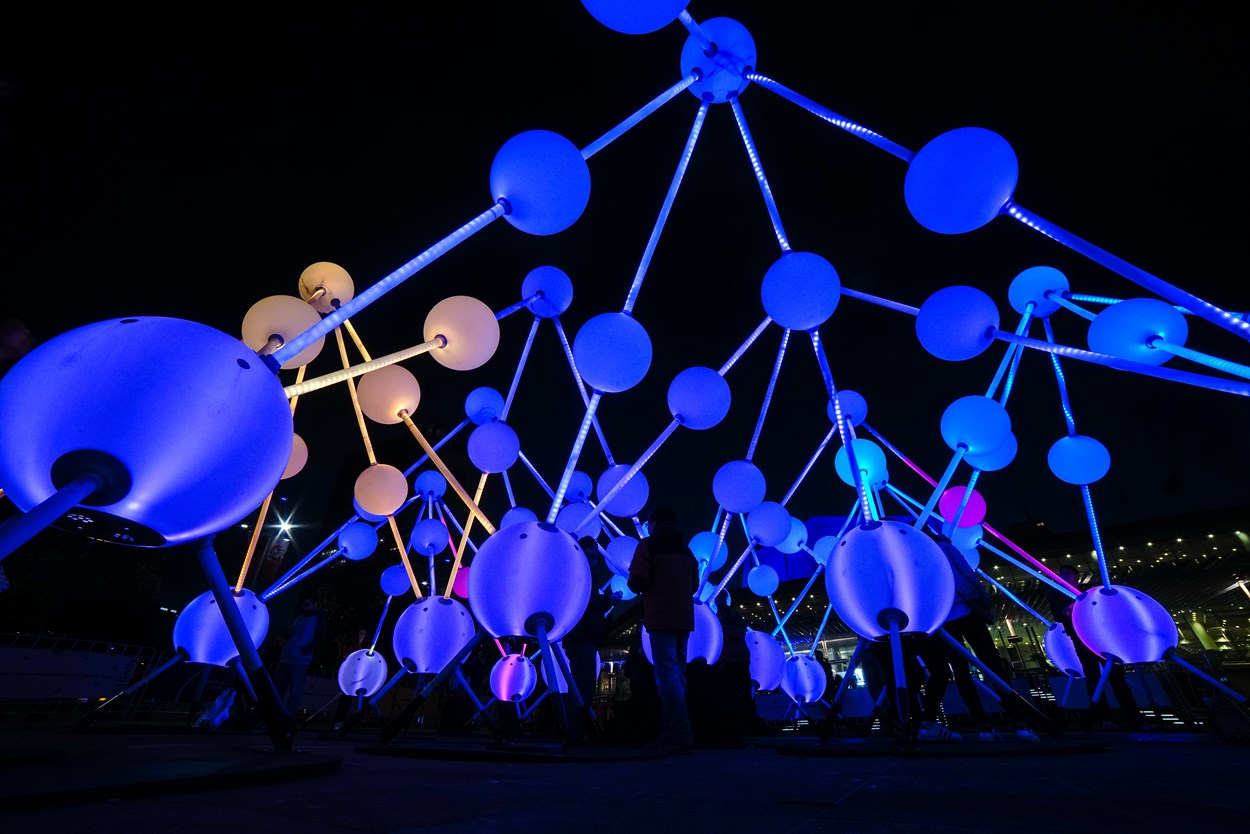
x=763, y=580
x=956, y=323
x=978, y=423
x=619, y=588
x=822, y=549
x=801, y=290
x=543, y=179
x=854, y=407
x=960, y=180
x=870, y=460
x=739, y=486
x=997, y=459
x=698, y=398
x=795, y=539
x=1078, y=459
x=703, y=546
x=612, y=352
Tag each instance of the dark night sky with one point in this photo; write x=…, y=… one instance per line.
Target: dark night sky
x=189, y=160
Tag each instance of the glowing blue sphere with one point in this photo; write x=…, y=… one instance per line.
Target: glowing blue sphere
x=513, y=678
x=795, y=539
x=803, y=679
x=703, y=546
x=1123, y=623
x=544, y=180
x=1127, y=328
x=618, y=586
x=429, y=634
x=854, y=407
x=763, y=580
x=363, y=672
x=619, y=553
x=612, y=352
x=494, y=447
x=956, y=323
x=1061, y=651
x=768, y=660
x=517, y=515
x=868, y=457
x=960, y=180
x=739, y=486
x=200, y=630
x=976, y=422
x=635, y=17
x=191, y=427
x=769, y=523
x=556, y=289
x=483, y=405
x=823, y=548
x=429, y=537
x=1036, y=284
x=705, y=642
x=1078, y=459
x=579, y=487
x=633, y=495
x=698, y=398
x=529, y=572
x=722, y=74
x=801, y=290
x=394, y=581
x=997, y=459
x=429, y=485
x=358, y=540
x=885, y=570
x=571, y=516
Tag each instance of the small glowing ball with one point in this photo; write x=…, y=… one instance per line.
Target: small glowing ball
x=494, y=447
x=483, y=405
x=529, y=572
x=394, y=581
x=854, y=407
x=556, y=289
x=960, y=180
x=631, y=498
x=571, y=517
x=619, y=587
x=429, y=634
x=333, y=279
x=362, y=673
x=429, y=485
x=470, y=328
x=823, y=548
x=868, y=457
x=997, y=459
x=795, y=539
x=561, y=684
x=381, y=489
x=976, y=422
x=763, y=580
x=974, y=512
x=635, y=17
x=579, y=487
x=1125, y=624
x=886, y=569
x=543, y=180
x=1036, y=284
x=698, y=398
x=460, y=585
x=299, y=457
x=429, y=537
x=286, y=317
x=200, y=630
x=803, y=679
x=1127, y=328
x=612, y=352
x=801, y=290
x=768, y=660
x=387, y=391
x=703, y=545
x=956, y=323
x=357, y=541
x=722, y=74
x=513, y=678
x=619, y=553
x=516, y=515
x=200, y=425
x=705, y=642
x=769, y=523
x=1078, y=459
x=739, y=486
x=365, y=514
x=1061, y=651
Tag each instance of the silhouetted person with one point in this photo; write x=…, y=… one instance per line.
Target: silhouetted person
x=722, y=710
x=665, y=573
x=303, y=637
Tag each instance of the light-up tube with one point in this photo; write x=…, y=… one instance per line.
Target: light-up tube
x=844, y=426
x=574, y=454
x=1013, y=597
x=581, y=389
x=737, y=354
x=879, y=301
x=625, y=479
x=1201, y=358
x=697, y=33
x=618, y=131
x=520, y=366
x=773, y=214
x=768, y=393
x=808, y=468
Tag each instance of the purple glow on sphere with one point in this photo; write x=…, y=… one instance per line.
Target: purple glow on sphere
x=1123, y=623
x=430, y=632
x=513, y=678
x=201, y=632
x=803, y=679
x=1061, y=652
x=362, y=673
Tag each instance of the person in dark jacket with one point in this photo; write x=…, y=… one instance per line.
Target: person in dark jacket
x=665, y=573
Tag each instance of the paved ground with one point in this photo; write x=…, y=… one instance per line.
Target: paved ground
x=122, y=781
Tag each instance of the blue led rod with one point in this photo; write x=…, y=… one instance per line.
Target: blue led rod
x=940, y=486
x=632, y=296
x=1093, y=531
x=574, y=454
x=625, y=479
x=729, y=574
x=22, y=528
x=799, y=599
x=1061, y=381
x=455, y=522
x=298, y=344
x=845, y=429
x=1062, y=300
x=1013, y=597
x=737, y=354
x=546, y=488
x=831, y=117
x=353, y=371
x=720, y=541
x=279, y=588
x=821, y=630
x=1229, y=321
x=581, y=388
x=377, y=632
x=618, y=131
x=1021, y=329
x=759, y=174
x=524, y=302
x=1058, y=586
x=520, y=366
x=879, y=301
x=1201, y=358
x=768, y=394
x=808, y=468
x=1011, y=376
x=1082, y=298
x=696, y=32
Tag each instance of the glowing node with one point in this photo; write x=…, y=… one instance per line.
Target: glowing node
x=387, y=391
x=470, y=328
x=702, y=546
x=803, y=679
x=763, y=580
x=698, y=398
x=483, y=405
x=612, y=352
x=979, y=423
x=974, y=512
x=429, y=537
x=513, y=678
x=1124, y=623
x=739, y=486
x=430, y=485
x=723, y=73
x=1078, y=459
x=801, y=290
x=868, y=457
x=494, y=447
x=326, y=287
x=286, y=317
x=429, y=633
x=960, y=180
x=1035, y=284
x=556, y=289
x=381, y=489
x=955, y=323
x=768, y=660
x=299, y=457
x=200, y=630
x=769, y=523
x=635, y=17
x=357, y=541
x=544, y=181
x=394, y=581
x=1127, y=328
x=632, y=497
x=362, y=673
x=854, y=407
x=795, y=538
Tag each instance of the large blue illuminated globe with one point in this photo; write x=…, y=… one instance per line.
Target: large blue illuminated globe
x=193, y=424
x=544, y=180
x=978, y=423
x=801, y=290
x=635, y=17
x=1126, y=330
x=1061, y=651
x=429, y=634
x=960, y=180
x=612, y=352
x=956, y=323
x=703, y=546
x=200, y=631
x=868, y=458
x=1124, y=623
x=529, y=573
